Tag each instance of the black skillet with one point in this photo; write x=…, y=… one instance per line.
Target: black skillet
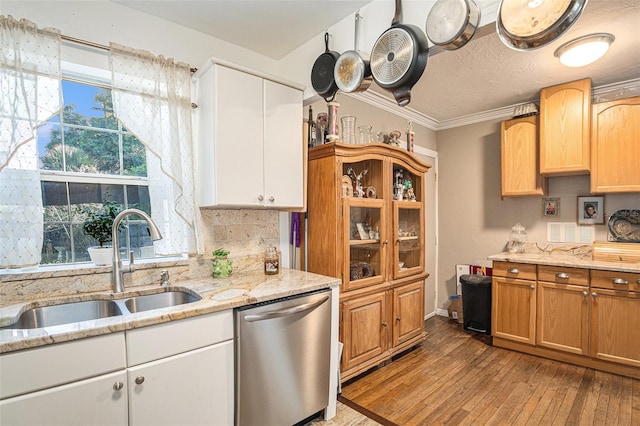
x=322, y=78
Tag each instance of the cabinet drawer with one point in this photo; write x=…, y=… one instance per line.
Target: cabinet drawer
x=174, y=337
x=563, y=275
x=524, y=271
x=45, y=367
x=615, y=280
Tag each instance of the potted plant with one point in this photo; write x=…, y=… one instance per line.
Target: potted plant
x=222, y=267
x=99, y=225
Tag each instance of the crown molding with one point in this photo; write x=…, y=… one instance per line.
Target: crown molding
x=603, y=93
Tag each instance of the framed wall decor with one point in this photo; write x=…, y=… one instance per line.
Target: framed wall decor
x=551, y=207
x=590, y=210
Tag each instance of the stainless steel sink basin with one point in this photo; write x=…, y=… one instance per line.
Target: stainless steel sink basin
x=148, y=302
x=66, y=313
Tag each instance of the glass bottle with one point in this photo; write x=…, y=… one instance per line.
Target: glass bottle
x=312, y=130
x=271, y=261
x=348, y=129
x=517, y=239
x=365, y=134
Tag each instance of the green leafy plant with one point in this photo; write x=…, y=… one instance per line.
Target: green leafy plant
x=221, y=253
x=99, y=223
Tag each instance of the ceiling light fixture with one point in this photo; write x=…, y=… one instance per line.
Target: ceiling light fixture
x=584, y=50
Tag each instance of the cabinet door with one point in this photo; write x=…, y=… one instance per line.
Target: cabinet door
x=615, y=326
x=366, y=244
x=283, y=150
x=238, y=139
x=192, y=388
x=614, y=146
x=364, y=329
x=408, y=230
x=408, y=312
x=513, y=309
x=565, y=121
x=95, y=401
x=562, y=322
x=519, y=158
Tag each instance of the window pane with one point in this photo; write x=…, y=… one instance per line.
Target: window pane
x=50, y=146
x=81, y=243
x=88, y=105
x=138, y=197
x=133, y=156
x=57, y=243
x=91, y=151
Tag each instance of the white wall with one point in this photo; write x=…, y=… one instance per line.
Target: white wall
x=104, y=21
x=474, y=222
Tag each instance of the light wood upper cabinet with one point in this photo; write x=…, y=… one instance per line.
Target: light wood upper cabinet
x=565, y=125
x=615, y=146
x=519, y=158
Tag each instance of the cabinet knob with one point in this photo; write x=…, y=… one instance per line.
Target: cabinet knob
x=585, y=293
x=384, y=323
x=260, y=198
x=272, y=198
x=117, y=386
x=638, y=281
x=532, y=287
x=513, y=270
x=139, y=380
x=563, y=275
x=386, y=242
x=398, y=319
x=620, y=281
x=594, y=294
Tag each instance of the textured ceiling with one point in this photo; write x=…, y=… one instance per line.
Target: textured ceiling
x=481, y=76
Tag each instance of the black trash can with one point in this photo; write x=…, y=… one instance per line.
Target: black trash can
x=476, y=303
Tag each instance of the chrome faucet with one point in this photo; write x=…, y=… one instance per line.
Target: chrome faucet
x=117, y=275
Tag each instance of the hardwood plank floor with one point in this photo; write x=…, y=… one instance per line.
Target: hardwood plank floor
x=458, y=378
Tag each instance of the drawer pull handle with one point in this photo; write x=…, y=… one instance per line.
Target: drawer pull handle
x=513, y=270
x=139, y=380
x=117, y=386
x=619, y=281
x=563, y=275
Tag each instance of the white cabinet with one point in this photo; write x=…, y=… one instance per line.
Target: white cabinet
x=73, y=383
x=96, y=401
x=249, y=131
x=193, y=388
x=179, y=372
x=182, y=372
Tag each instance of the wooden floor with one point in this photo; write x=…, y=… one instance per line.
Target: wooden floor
x=456, y=377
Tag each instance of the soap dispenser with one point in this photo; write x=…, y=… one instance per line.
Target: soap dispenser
x=517, y=239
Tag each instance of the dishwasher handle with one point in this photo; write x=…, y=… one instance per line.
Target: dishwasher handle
x=286, y=312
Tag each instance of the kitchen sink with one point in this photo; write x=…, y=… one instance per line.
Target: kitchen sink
x=148, y=302
x=47, y=316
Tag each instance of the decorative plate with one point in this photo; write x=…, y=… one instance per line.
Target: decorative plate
x=624, y=226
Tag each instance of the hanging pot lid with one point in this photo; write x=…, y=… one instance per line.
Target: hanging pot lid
x=452, y=23
x=531, y=24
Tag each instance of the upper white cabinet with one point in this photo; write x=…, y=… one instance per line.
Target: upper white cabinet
x=249, y=143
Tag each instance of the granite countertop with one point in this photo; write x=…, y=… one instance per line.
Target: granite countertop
x=240, y=289
x=579, y=256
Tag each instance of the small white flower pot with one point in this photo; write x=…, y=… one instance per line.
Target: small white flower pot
x=101, y=255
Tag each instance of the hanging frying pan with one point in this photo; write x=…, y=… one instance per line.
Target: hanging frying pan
x=322, y=72
x=399, y=57
x=452, y=23
x=352, y=71
x=530, y=24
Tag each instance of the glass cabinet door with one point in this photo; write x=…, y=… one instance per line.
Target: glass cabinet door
x=408, y=230
x=366, y=242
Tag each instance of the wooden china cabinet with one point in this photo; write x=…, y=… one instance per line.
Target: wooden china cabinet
x=366, y=226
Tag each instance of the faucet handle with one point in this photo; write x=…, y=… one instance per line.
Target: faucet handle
x=164, y=276
x=131, y=265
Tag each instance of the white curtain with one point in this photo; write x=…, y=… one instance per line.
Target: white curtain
x=29, y=95
x=152, y=98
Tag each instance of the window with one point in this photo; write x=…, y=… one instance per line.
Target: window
x=86, y=157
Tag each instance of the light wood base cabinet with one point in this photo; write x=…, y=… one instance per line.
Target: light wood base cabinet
x=585, y=317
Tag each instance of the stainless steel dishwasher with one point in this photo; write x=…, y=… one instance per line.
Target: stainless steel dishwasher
x=282, y=360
